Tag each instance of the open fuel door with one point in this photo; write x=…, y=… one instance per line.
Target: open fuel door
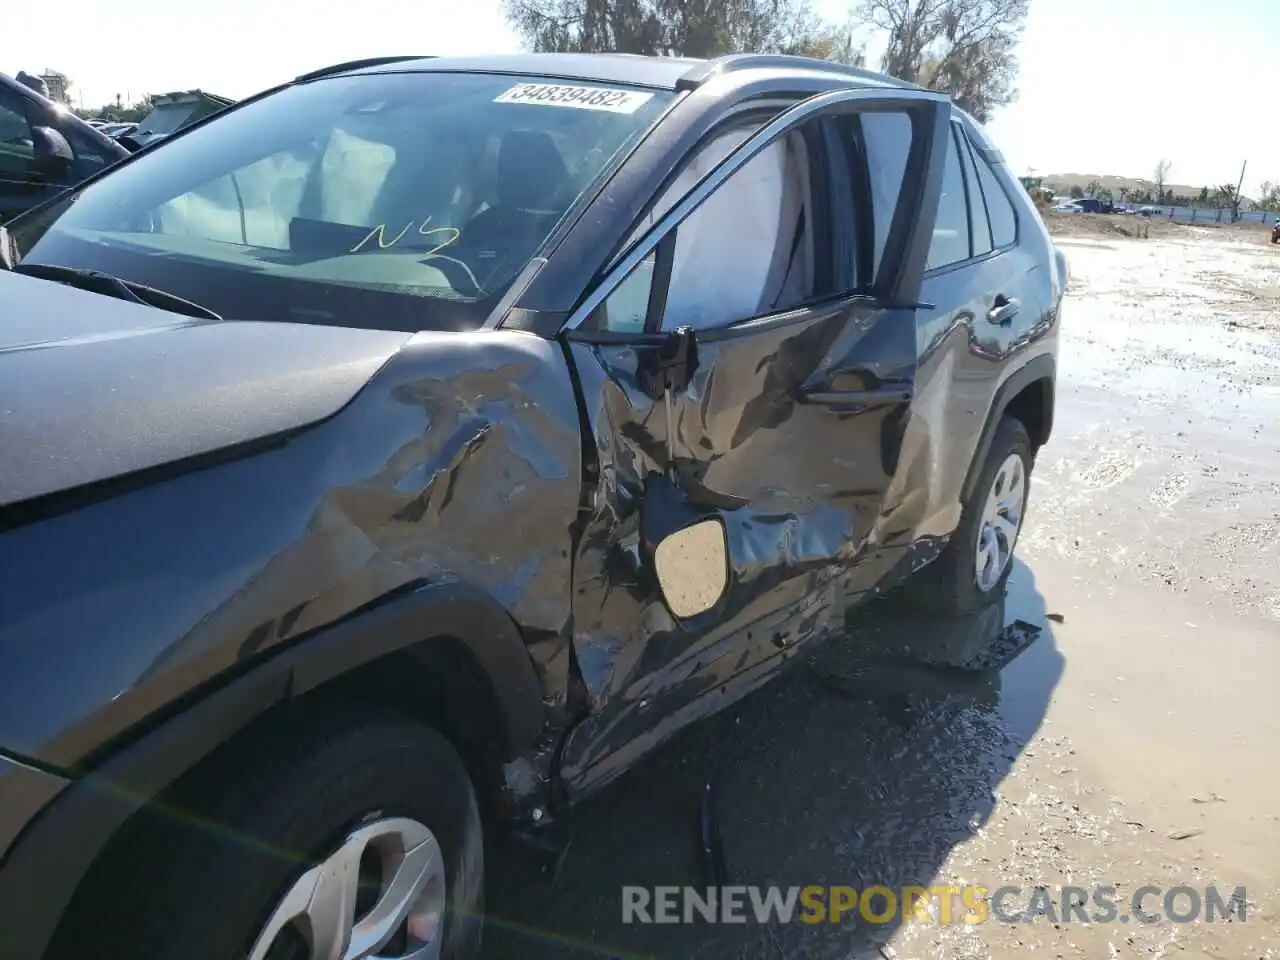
x=746, y=371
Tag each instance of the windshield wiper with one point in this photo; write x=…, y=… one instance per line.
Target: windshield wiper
x=109, y=286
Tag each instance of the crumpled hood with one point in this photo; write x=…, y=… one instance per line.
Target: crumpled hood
x=93, y=388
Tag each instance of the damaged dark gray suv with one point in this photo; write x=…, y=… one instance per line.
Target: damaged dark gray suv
x=414, y=446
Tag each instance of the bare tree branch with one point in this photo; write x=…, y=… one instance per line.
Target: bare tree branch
x=693, y=28
x=1161, y=177
x=963, y=47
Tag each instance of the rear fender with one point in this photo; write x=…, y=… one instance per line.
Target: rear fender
x=1042, y=367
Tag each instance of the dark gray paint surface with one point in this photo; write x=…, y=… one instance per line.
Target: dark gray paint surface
x=459, y=461
x=93, y=388
x=24, y=790
x=660, y=72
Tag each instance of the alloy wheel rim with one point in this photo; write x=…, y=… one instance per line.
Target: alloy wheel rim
x=1001, y=523
x=380, y=895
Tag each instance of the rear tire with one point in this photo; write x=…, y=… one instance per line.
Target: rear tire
x=208, y=883
x=953, y=583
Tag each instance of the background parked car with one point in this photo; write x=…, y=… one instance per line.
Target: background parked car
x=44, y=148
x=118, y=130
x=1094, y=204
x=33, y=82
x=170, y=112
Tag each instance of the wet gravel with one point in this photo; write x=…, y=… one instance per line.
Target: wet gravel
x=1164, y=461
x=1116, y=721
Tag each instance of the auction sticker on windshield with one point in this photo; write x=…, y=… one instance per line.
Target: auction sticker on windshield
x=581, y=98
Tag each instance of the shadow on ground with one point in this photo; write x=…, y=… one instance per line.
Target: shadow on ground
x=856, y=768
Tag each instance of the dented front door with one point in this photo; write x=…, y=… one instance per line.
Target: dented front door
x=785, y=429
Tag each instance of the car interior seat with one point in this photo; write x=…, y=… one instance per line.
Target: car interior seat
x=530, y=196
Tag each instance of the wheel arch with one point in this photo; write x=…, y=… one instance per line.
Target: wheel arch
x=1026, y=394
x=428, y=628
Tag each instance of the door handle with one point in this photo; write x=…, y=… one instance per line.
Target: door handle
x=845, y=400
x=1004, y=310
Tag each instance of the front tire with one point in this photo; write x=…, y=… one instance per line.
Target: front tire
x=972, y=571
x=361, y=838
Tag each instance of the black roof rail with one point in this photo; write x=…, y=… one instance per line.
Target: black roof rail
x=757, y=61
x=355, y=65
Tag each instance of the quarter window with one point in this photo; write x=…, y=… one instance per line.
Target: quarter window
x=1004, y=222
x=978, y=224
x=627, y=307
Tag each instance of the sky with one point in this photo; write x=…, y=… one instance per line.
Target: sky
x=1106, y=86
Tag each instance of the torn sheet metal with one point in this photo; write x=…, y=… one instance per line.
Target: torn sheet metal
x=790, y=435
x=460, y=460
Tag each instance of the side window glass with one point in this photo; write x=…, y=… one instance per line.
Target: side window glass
x=700, y=164
x=748, y=250
x=625, y=309
x=1004, y=222
x=951, y=229
x=16, y=148
x=977, y=208
x=887, y=139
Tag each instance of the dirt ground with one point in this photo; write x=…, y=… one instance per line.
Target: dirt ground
x=1135, y=741
x=1113, y=226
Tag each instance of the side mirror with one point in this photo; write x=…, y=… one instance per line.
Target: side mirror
x=669, y=365
x=693, y=568
x=689, y=547
x=54, y=157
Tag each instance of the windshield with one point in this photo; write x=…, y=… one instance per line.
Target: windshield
x=404, y=201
